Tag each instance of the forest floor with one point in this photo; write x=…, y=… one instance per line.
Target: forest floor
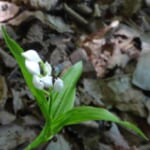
x=111, y=38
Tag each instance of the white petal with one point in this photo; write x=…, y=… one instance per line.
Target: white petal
x=33, y=67
x=58, y=85
x=37, y=82
x=48, y=68
x=31, y=55
x=48, y=81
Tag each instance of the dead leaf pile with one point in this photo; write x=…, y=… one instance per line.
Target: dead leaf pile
x=37, y=4
x=107, y=51
x=110, y=37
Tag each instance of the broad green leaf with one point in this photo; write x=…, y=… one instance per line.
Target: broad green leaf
x=16, y=50
x=64, y=101
x=86, y=113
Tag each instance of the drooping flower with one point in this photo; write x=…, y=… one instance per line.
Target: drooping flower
x=33, y=67
x=41, y=72
x=37, y=82
x=58, y=85
x=47, y=68
x=31, y=55
x=48, y=81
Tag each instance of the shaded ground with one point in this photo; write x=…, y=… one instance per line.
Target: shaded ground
x=115, y=76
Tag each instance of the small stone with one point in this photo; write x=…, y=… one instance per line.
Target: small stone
x=141, y=75
x=7, y=59
x=61, y=144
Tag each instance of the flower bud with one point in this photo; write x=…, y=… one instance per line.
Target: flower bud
x=48, y=81
x=47, y=68
x=37, y=82
x=32, y=67
x=31, y=55
x=58, y=85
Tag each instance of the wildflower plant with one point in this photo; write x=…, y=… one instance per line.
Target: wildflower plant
x=55, y=96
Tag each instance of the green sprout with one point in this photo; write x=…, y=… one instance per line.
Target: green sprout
x=55, y=97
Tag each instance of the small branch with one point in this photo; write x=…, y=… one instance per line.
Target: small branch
x=75, y=15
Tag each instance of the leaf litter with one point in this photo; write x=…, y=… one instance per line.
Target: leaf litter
x=115, y=75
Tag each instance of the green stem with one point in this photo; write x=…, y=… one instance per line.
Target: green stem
x=46, y=133
x=42, y=138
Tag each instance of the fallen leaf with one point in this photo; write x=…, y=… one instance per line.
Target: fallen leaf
x=37, y=4
x=7, y=11
x=108, y=50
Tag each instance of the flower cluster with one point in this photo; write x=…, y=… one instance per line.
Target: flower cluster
x=41, y=72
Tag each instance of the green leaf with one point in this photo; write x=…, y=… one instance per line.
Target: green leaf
x=86, y=113
x=16, y=50
x=64, y=101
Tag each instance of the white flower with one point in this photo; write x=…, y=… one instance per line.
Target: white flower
x=58, y=85
x=33, y=67
x=31, y=55
x=47, y=81
x=47, y=68
x=37, y=82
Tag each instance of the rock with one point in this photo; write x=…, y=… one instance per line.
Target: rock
x=17, y=101
x=141, y=75
x=119, y=92
x=114, y=136
x=3, y=92
x=80, y=55
x=8, y=60
x=6, y=117
x=84, y=9
x=29, y=120
x=93, y=90
x=144, y=147
x=88, y=133
x=13, y=135
x=147, y=105
x=103, y=146
x=60, y=144
x=35, y=33
x=58, y=55
x=147, y=2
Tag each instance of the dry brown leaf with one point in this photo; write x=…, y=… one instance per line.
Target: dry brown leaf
x=7, y=11
x=109, y=50
x=21, y=18
x=37, y=4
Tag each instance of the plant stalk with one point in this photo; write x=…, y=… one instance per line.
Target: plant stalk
x=42, y=138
